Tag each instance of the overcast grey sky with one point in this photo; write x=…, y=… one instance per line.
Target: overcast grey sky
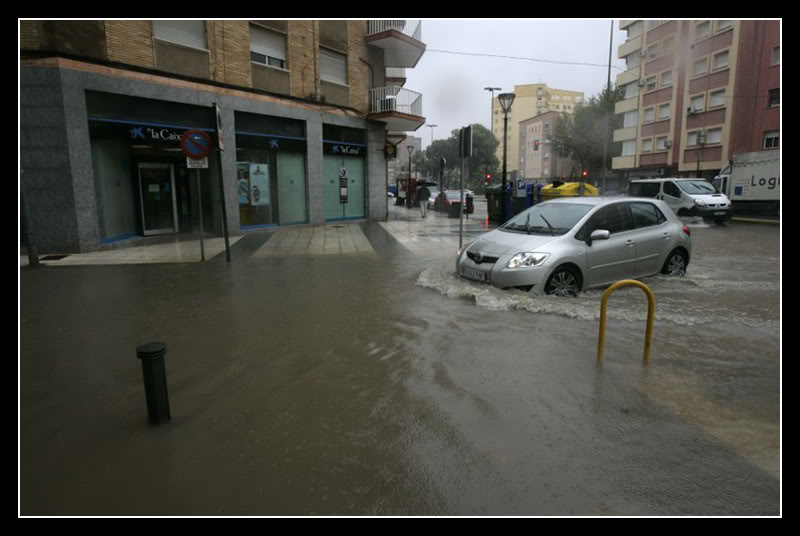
x=452, y=85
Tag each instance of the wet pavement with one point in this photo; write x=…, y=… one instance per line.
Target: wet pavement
x=378, y=383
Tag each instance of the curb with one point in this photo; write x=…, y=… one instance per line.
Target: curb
x=756, y=220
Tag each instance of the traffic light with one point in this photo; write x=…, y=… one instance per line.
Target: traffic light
x=488, y=178
x=584, y=174
x=536, y=145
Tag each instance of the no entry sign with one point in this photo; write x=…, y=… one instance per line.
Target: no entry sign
x=196, y=144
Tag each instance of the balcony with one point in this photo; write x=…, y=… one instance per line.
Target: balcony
x=401, y=41
x=399, y=108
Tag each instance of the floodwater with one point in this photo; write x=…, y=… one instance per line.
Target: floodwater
x=382, y=384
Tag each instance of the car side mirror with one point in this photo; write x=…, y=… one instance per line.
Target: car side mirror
x=599, y=234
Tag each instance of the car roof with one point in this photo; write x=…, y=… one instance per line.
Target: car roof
x=597, y=200
x=668, y=179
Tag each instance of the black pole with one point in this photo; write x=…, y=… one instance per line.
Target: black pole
x=505, y=151
x=155, y=381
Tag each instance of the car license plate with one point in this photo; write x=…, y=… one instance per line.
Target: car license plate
x=722, y=213
x=474, y=274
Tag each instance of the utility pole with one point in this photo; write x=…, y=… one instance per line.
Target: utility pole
x=608, y=89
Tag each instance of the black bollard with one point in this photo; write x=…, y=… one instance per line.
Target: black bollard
x=155, y=381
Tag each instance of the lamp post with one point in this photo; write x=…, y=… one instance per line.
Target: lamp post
x=431, y=159
x=506, y=100
x=491, y=107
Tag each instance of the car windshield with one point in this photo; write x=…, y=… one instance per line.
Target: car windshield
x=548, y=218
x=453, y=196
x=697, y=187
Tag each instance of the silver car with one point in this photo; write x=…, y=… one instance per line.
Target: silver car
x=564, y=246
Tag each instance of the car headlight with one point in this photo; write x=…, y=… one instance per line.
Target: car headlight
x=521, y=260
x=463, y=248
x=699, y=203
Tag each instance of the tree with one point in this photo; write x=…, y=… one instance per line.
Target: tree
x=582, y=134
x=484, y=147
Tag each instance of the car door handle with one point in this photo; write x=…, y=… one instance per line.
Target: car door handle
x=667, y=236
x=630, y=243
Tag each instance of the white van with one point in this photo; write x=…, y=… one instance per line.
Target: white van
x=686, y=197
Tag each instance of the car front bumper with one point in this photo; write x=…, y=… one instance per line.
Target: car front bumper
x=497, y=275
x=715, y=213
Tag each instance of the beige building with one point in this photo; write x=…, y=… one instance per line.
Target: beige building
x=538, y=160
x=531, y=100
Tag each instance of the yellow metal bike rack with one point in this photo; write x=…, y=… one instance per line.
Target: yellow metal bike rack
x=651, y=307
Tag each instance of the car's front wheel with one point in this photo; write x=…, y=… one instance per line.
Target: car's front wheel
x=565, y=281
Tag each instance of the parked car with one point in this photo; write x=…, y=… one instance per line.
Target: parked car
x=450, y=197
x=564, y=246
x=686, y=197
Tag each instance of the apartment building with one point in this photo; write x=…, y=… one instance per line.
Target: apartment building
x=531, y=100
x=696, y=93
x=104, y=105
x=538, y=161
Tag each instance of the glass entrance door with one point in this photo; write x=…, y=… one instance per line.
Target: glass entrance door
x=157, y=195
x=355, y=207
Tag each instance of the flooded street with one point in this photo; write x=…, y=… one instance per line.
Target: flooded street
x=381, y=383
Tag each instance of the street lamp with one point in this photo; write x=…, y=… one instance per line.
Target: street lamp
x=491, y=107
x=506, y=99
x=431, y=159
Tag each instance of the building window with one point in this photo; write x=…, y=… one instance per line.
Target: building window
x=776, y=56
x=691, y=139
x=666, y=79
x=697, y=104
x=634, y=30
x=717, y=98
x=650, y=83
x=714, y=135
x=724, y=25
x=649, y=115
x=700, y=67
x=632, y=90
x=653, y=23
x=333, y=66
x=647, y=145
x=267, y=48
x=652, y=51
x=703, y=29
x=774, y=97
x=668, y=44
x=629, y=148
x=633, y=60
x=721, y=61
x=188, y=33
x=664, y=111
x=631, y=119
x=772, y=139
x=661, y=143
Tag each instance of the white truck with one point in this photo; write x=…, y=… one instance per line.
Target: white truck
x=752, y=181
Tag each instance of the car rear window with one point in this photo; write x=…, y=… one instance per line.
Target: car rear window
x=646, y=215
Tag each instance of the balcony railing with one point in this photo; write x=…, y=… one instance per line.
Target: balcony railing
x=411, y=28
x=395, y=99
